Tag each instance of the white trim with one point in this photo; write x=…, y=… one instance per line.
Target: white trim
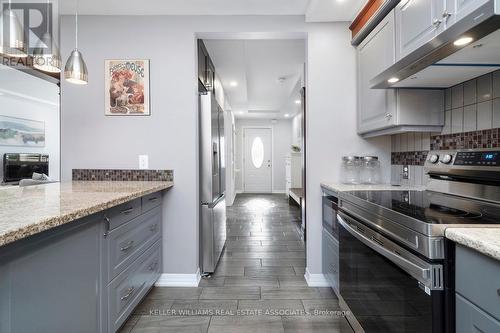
x=239, y=191
x=279, y=191
x=243, y=150
x=179, y=280
x=316, y=280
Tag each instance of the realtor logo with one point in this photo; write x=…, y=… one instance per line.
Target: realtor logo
x=27, y=27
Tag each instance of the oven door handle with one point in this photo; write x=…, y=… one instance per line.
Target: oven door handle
x=422, y=274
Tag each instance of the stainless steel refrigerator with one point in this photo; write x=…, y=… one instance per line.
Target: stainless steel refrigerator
x=212, y=183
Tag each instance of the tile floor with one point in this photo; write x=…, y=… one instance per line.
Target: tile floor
x=258, y=286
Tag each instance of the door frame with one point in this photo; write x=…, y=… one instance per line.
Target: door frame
x=243, y=150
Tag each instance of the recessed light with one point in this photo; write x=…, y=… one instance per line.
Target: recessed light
x=297, y=101
x=233, y=84
x=239, y=112
x=287, y=115
x=393, y=80
x=463, y=41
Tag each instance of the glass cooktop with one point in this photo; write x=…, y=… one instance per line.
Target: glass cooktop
x=433, y=207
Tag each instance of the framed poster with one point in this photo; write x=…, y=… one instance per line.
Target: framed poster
x=21, y=132
x=127, y=88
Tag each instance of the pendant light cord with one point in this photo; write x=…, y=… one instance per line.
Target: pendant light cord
x=76, y=26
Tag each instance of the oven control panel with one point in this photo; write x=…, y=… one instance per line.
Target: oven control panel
x=478, y=158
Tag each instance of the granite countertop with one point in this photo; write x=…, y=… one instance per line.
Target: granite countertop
x=26, y=211
x=483, y=240
x=338, y=187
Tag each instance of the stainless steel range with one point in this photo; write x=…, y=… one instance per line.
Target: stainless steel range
x=395, y=264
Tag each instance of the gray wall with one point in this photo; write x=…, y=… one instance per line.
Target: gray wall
x=282, y=142
x=169, y=135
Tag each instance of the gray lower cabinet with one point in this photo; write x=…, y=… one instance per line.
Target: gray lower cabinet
x=478, y=292
x=330, y=255
x=48, y=282
x=85, y=276
x=471, y=319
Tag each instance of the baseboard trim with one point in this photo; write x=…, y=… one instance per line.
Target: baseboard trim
x=279, y=192
x=179, y=280
x=316, y=280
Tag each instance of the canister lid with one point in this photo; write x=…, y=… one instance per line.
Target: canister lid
x=351, y=158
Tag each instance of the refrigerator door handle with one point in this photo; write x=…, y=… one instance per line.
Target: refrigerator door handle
x=215, y=202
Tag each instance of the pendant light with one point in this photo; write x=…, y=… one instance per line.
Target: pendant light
x=15, y=46
x=75, y=70
x=46, y=55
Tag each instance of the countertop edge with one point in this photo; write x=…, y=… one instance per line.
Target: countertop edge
x=483, y=246
x=56, y=221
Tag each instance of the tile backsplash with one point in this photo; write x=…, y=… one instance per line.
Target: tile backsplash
x=472, y=120
x=122, y=175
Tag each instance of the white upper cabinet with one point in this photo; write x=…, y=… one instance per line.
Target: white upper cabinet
x=375, y=54
x=417, y=22
x=386, y=111
x=455, y=10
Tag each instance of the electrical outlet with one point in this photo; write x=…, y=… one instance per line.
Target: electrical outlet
x=143, y=162
x=406, y=172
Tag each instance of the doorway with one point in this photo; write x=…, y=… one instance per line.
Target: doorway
x=257, y=160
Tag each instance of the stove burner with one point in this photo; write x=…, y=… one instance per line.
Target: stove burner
x=453, y=212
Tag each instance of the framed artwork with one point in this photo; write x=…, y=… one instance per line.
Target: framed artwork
x=127, y=87
x=21, y=132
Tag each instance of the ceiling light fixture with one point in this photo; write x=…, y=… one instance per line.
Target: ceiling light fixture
x=15, y=45
x=46, y=55
x=463, y=41
x=233, y=84
x=297, y=101
x=393, y=80
x=75, y=70
x=287, y=115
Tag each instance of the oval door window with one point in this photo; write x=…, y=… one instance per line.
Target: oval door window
x=257, y=152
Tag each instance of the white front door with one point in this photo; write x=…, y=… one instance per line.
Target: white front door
x=258, y=160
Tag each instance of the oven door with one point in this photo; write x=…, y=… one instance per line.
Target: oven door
x=387, y=288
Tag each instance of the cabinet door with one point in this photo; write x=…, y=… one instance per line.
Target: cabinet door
x=202, y=62
x=376, y=107
x=48, y=283
x=471, y=319
x=417, y=22
x=456, y=10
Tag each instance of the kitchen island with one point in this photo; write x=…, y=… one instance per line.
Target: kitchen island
x=78, y=256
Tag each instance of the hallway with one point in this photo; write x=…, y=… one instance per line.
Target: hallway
x=258, y=286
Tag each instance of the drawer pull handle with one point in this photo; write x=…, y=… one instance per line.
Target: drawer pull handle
x=153, y=199
x=128, y=210
x=107, y=227
x=127, y=246
x=153, y=227
x=129, y=293
x=498, y=292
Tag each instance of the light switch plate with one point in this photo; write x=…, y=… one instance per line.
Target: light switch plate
x=143, y=162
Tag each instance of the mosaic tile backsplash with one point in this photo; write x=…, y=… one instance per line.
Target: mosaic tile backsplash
x=466, y=140
x=472, y=120
x=122, y=175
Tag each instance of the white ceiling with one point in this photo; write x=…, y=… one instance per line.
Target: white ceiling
x=315, y=10
x=257, y=66
x=333, y=10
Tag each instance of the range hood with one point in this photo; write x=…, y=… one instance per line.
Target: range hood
x=441, y=64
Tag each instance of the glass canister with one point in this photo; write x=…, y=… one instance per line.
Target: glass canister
x=370, y=170
x=350, y=171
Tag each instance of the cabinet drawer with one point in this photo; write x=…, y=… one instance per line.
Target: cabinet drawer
x=123, y=213
x=128, y=289
x=126, y=243
x=151, y=201
x=477, y=279
x=471, y=319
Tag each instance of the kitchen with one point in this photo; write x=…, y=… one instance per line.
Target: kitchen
x=111, y=164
